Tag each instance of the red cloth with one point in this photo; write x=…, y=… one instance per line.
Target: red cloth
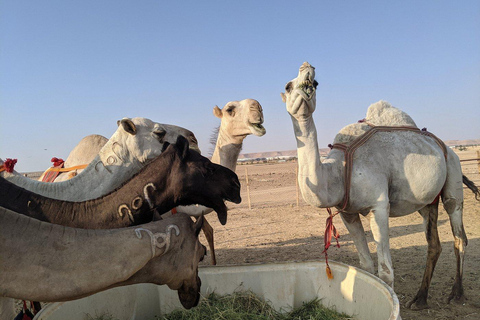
x=50, y=176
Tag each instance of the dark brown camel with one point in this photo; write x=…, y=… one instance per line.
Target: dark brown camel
x=178, y=176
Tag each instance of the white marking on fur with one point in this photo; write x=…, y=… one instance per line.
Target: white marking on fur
x=145, y=193
x=154, y=237
x=129, y=212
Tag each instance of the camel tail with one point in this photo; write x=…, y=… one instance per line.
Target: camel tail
x=469, y=183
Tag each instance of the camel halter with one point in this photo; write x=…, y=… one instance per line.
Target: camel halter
x=349, y=151
x=51, y=173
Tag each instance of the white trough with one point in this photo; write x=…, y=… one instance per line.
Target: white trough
x=352, y=291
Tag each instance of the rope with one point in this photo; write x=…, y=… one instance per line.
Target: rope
x=82, y=166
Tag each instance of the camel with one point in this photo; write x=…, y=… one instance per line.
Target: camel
x=83, y=153
x=238, y=120
x=131, y=147
x=394, y=174
x=176, y=177
x=46, y=262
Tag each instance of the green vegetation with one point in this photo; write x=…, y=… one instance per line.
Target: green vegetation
x=104, y=316
x=246, y=305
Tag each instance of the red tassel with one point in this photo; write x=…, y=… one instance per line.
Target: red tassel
x=9, y=164
x=57, y=162
x=329, y=231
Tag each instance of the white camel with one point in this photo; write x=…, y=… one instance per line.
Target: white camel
x=83, y=153
x=133, y=145
x=394, y=174
x=47, y=262
x=238, y=120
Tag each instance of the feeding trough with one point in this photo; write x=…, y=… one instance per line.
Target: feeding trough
x=285, y=285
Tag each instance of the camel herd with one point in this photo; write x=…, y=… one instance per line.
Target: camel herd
x=125, y=218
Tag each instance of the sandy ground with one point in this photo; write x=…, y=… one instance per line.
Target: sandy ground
x=275, y=229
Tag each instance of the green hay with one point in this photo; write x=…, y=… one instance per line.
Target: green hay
x=104, y=316
x=246, y=305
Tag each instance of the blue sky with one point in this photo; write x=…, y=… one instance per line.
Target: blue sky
x=73, y=68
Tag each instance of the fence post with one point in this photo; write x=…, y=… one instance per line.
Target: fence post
x=248, y=189
x=296, y=185
x=478, y=160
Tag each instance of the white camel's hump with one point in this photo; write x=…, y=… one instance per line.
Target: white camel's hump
x=380, y=113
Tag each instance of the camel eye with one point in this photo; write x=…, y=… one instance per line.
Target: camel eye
x=231, y=110
x=159, y=134
x=288, y=87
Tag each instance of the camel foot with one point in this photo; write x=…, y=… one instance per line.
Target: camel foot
x=456, y=299
x=417, y=304
x=456, y=295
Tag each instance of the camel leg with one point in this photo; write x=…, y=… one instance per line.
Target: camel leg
x=430, y=217
x=355, y=228
x=452, y=198
x=208, y=231
x=379, y=226
x=455, y=214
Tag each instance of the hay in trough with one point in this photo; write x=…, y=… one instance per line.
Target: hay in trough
x=246, y=305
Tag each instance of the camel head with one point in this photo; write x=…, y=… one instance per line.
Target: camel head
x=142, y=139
x=194, y=179
x=300, y=93
x=178, y=266
x=241, y=118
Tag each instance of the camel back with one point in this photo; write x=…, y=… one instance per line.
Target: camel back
x=349, y=151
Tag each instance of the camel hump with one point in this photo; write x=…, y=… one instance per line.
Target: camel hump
x=383, y=113
x=86, y=150
x=380, y=113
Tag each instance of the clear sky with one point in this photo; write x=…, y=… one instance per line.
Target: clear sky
x=72, y=68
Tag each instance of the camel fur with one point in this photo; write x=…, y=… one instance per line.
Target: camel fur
x=46, y=262
x=178, y=176
x=131, y=147
x=393, y=174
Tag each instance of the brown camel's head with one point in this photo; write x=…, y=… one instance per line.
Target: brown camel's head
x=300, y=93
x=177, y=265
x=194, y=179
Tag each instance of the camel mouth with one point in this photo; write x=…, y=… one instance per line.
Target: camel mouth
x=221, y=210
x=257, y=129
x=307, y=88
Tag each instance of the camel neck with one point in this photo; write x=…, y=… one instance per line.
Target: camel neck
x=227, y=150
x=315, y=177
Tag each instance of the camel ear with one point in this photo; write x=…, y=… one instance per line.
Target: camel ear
x=182, y=145
x=284, y=97
x=217, y=112
x=128, y=126
x=198, y=225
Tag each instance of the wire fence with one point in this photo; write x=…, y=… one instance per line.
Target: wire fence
x=273, y=184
